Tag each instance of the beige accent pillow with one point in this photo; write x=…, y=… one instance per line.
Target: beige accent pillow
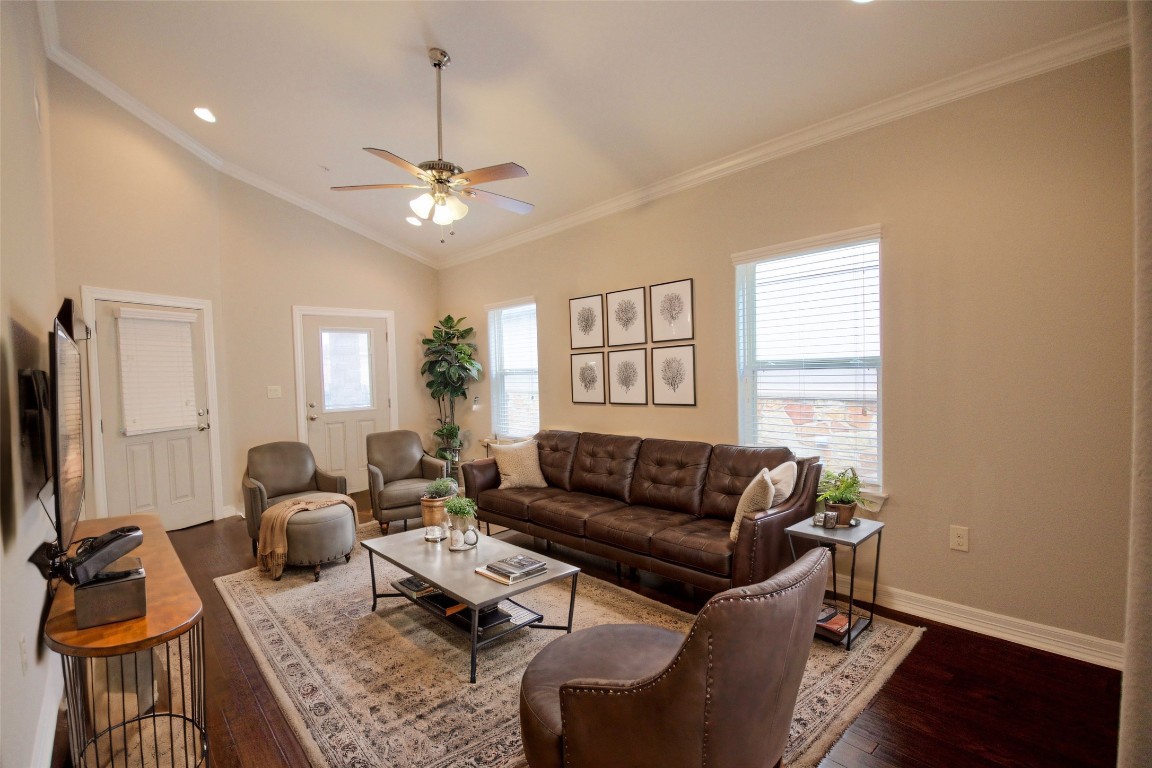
x=766, y=489
x=757, y=496
x=519, y=465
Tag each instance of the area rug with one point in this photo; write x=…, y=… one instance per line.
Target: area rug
x=390, y=689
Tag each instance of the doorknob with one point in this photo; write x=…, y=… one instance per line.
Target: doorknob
x=312, y=417
x=202, y=427
x=311, y=405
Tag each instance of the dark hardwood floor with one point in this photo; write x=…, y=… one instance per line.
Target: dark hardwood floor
x=959, y=699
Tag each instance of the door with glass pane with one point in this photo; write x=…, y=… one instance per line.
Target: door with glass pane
x=346, y=388
x=154, y=415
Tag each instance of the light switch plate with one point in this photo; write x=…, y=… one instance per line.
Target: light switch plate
x=274, y=392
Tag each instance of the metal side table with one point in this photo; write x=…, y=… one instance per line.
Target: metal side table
x=850, y=537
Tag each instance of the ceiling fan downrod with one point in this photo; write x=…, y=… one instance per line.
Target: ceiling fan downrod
x=440, y=59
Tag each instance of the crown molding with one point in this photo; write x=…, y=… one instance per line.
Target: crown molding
x=50, y=34
x=1021, y=66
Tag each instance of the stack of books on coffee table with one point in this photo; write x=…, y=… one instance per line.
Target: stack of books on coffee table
x=513, y=569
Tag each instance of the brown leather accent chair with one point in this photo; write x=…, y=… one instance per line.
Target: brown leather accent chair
x=280, y=471
x=398, y=472
x=637, y=695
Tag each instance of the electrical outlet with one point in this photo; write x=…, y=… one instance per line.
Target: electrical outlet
x=958, y=537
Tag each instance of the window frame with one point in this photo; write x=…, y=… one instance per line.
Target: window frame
x=498, y=375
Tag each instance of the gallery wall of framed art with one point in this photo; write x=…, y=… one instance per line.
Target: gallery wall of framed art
x=638, y=319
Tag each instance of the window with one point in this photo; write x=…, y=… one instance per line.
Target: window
x=347, y=364
x=808, y=322
x=157, y=380
x=514, y=371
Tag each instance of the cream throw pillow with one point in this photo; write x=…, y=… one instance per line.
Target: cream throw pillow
x=519, y=465
x=766, y=488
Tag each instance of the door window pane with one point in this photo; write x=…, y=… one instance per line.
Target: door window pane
x=347, y=358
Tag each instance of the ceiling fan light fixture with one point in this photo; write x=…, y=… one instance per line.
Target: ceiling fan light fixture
x=422, y=205
x=457, y=207
x=443, y=215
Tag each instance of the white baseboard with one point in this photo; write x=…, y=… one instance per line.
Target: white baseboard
x=229, y=510
x=1095, y=650
x=46, y=722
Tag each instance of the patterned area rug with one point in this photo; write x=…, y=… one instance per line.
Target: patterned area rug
x=366, y=690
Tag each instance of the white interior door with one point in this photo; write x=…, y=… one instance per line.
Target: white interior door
x=347, y=390
x=154, y=415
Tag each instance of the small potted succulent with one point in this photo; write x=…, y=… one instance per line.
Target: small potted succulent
x=461, y=523
x=840, y=492
x=436, y=493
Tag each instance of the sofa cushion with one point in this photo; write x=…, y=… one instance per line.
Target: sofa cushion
x=570, y=511
x=513, y=502
x=633, y=527
x=518, y=464
x=669, y=475
x=401, y=493
x=604, y=464
x=757, y=496
x=730, y=470
x=702, y=543
x=557, y=451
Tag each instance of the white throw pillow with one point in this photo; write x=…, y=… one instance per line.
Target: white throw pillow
x=784, y=479
x=757, y=496
x=519, y=465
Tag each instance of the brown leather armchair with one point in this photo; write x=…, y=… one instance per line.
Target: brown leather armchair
x=398, y=472
x=633, y=695
x=279, y=471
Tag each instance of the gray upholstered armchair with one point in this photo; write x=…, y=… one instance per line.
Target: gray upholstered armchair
x=279, y=471
x=398, y=471
x=638, y=695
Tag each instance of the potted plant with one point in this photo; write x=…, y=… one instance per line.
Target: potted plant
x=461, y=522
x=840, y=491
x=433, y=501
x=449, y=367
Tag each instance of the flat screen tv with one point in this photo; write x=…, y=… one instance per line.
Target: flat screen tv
x=67, y=427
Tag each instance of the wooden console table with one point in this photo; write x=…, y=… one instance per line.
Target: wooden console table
x=135, y=688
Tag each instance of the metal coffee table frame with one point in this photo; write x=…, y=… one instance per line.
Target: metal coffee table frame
x=454, y=574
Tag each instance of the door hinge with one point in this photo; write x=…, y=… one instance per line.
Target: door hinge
x=101, y=426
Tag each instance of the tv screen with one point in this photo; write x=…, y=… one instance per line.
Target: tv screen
x=67, y=433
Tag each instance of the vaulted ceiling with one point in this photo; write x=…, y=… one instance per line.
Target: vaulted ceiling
x=607, y=104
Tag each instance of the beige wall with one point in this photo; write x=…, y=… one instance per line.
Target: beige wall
x=30, y=678
x=134, y=211
x=1006, y=293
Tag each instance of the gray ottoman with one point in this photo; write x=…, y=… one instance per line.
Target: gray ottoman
x=318, y=536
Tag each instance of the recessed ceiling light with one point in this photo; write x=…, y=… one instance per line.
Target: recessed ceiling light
x=861, y=2
x=204, y=114
x=414, y=221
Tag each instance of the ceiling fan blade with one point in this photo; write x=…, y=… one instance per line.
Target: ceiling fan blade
x=507, y=203
x=491, y=173
x=380, y=186
x=399, y=162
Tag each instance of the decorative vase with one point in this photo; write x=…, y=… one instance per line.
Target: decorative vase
x=434, y=517
x=844, y=512
x=462, y=533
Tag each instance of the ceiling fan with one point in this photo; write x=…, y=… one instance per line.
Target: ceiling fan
x=445, y=182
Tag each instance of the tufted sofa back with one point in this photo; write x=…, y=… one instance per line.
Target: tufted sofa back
x=670, y=475
x=731, y=469
x=557, y=450
x=603, y=465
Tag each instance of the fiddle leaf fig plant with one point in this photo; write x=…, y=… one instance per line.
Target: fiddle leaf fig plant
x=449, y=367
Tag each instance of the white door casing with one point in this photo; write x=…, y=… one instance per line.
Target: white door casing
x=179, y=468
x=338, y=435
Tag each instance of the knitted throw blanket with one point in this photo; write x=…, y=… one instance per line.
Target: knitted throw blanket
x=273, y=546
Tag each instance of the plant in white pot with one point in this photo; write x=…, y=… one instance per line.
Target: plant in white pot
x=461, y=523
x=840, y=492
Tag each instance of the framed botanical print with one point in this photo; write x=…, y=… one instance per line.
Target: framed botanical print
x=588, y=378
x=628, y=377
x=586, y=321
x=671, y=310
x=626, y=318
x=674, y=375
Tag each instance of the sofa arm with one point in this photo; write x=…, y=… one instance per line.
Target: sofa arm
x=255, y=502
x=331, y=483
x=432, y=467
x=762, y=547
x=480, y=475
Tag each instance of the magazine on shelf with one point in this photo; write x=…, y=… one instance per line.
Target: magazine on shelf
x=517, y=565
x=442, y=603
x=838, y=623
x=503, y=578
x=417, y=586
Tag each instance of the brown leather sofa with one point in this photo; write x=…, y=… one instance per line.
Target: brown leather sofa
x=722, y=695
x=664, y=506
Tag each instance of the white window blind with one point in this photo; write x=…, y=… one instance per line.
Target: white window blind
x=514, y=370
x=157, y=384
x=808, y=320
x=347, y=364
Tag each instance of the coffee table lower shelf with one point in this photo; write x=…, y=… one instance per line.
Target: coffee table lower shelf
x=519, y=616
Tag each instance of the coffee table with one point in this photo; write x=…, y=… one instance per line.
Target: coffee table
x=454, y=574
